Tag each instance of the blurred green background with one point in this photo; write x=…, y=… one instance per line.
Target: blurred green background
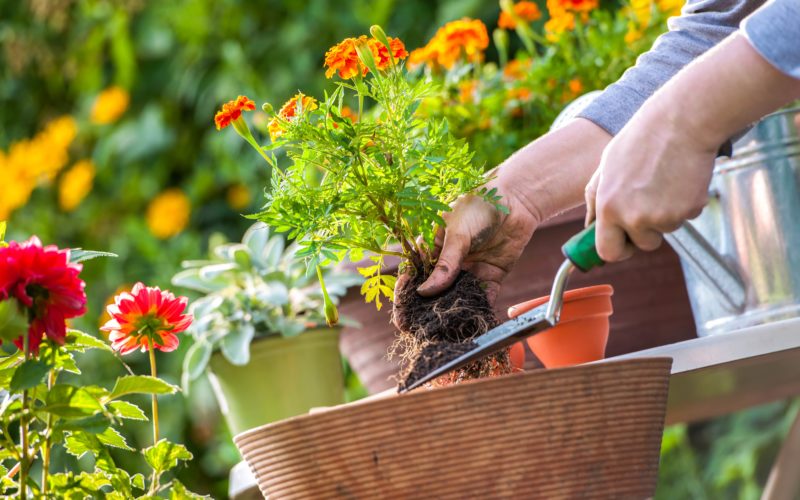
x=179, y=61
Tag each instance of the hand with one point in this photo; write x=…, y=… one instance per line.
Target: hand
x=651, y=178
x=480, y=239
x=542, y=179
x=655, y=173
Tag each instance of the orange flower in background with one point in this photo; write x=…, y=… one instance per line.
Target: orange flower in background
x=516, y=69
x=109, y=105
x=642, y=10
x=289, y=112
x=146, y=318
x=465, y=38
x=342, y=58
x=348, y=113
x=558, y=24
x=527, y=11
x=575, y=6
x=238, y=196
x=575, y=86
x=521, y=94
x=232, y=111
x=467, y=91
x=381, y=52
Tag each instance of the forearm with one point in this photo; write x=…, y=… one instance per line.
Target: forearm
x=739, y=87
x=549, y=175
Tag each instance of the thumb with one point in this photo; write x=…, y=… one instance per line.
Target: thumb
x=454, y=249
x=590, y=195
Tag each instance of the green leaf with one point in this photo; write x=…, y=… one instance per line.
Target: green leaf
x=29, y=374
x=79, y=443
x=79, y=255
x=68, y=401
x=140, y=384
x=137, y=481
x=13, y=322
x=112, y=437
x=124, y=409
x=179, y=492
x=196, y=359
x=236, y=344
x=164, y=455
x=82, y=339
x=94, y=424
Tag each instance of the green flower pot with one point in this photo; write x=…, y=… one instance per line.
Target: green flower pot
x=285, y=377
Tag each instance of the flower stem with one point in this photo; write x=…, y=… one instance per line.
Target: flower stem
x=23, y=424
x=51, y=380
x=153, y=372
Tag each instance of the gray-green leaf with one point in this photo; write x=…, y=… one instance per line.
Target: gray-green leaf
x=236, y=344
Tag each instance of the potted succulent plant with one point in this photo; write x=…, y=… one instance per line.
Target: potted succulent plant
x=260, y=332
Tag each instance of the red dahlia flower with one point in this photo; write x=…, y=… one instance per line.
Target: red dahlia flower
x=144, y=317
x=45, y=284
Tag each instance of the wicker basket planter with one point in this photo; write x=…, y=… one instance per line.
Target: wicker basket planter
x=590, y=431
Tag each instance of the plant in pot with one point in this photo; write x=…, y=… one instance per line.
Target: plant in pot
x=262, y=314
x=370, y=185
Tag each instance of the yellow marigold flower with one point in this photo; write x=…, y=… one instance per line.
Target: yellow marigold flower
x=289, y=112
x=558, y=24
x=168, y=213
x=109, y=105
x=238, y=196
x=633, y=34
x=465, y=38
x=75, y=184
x=16, y=187
x=527, y=11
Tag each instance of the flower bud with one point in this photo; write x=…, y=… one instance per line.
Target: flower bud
x=366, y=57
x=331, y=313
x=500, y=37
x=379, y=35
x=267, y=108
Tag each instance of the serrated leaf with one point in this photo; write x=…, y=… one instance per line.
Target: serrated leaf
x=68, y=401
x=79, y=443
x=29, y=374
x=165, y=455
x=94, y=424
x=83, y=339
x=112, y=437
x=137, y=481
x=140, y=384
x=369, y=270
x=80, y=255
x=124, y=409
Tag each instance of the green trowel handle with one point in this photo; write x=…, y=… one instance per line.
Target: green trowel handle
x=581, y=250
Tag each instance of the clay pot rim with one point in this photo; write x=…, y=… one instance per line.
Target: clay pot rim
x=573, y=295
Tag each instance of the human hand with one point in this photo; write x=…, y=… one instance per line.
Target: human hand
x=544, y=178
x=652, y=177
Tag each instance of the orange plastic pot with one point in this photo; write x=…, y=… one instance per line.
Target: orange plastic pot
x=581, y=334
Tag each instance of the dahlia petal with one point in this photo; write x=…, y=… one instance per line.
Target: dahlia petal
x=169, y=342
x=55, y=325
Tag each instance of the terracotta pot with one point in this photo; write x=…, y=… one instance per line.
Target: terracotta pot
x=589, y=431
x=651, y=306
x=581, y=334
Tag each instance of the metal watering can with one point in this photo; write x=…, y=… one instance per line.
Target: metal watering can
x=737, y=256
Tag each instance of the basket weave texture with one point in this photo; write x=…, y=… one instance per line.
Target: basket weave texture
x=591, y=431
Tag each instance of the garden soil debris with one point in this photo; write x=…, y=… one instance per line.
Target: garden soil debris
x=436, y=330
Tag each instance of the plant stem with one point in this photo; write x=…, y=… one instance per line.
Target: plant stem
x=151, y=350
x=23, y=429
x=51, y=380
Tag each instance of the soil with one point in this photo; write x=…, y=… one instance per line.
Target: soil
x=436, y=330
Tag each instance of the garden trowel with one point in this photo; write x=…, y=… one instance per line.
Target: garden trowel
x=580, y=253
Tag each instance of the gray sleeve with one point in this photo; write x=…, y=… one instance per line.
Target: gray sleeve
x=774, y=32
x=701, y=25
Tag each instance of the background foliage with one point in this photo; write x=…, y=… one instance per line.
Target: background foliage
x=178, y=61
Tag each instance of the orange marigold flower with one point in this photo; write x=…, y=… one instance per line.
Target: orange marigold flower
x=575, y=86
x=528, y=11
x=232, y=110
x=558, y=24
x=516, y=69
x=467, y=90
x=343, y=58
x=381, y=52
x=289, y=112
x=465, y=38
x=579, y=6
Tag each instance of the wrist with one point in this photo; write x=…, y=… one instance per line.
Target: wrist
x=549, y=175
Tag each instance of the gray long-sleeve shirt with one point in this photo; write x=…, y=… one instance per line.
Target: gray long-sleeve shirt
x=772, y=27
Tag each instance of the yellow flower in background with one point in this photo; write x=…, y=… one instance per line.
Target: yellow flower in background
x=238, y=196
x=643, y=10
x=75, y=184
x=109, y=105
x=32, y=161
x=168, y=213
